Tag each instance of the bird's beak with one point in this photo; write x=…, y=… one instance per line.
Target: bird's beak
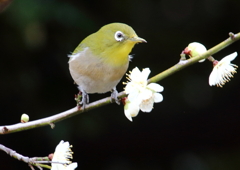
x=137, y=40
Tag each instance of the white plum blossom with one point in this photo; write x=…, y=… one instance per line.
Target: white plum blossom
x=131, y=109
x=141, y=95
x=61, y=157
x=223, y=70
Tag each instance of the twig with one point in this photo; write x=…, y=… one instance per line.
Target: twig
x=74, y=111
x=36, y=161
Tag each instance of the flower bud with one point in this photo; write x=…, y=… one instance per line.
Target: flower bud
x=195, y=49
x=24, y=118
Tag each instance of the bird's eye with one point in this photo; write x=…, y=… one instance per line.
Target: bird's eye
x=119, y=36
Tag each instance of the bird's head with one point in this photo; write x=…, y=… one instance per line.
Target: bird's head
x=116, y=41
x=119, y=34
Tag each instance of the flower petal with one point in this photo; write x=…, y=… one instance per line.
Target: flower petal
x=129, y=88
x=131, y=109
x=133, y=96
x=155, y=87
x=145, y=94
x=72, y=166
x=213, y=78
x=145, y=73
x=135, y=73
x=229, y=57
x=158, y=97
x=147, y=105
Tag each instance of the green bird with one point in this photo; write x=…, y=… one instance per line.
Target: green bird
x=100, y=61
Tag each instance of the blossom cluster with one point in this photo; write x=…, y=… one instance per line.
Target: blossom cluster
x=61, y=157
x=141, y=95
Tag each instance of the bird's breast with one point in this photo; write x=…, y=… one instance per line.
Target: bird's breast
x=93, y=74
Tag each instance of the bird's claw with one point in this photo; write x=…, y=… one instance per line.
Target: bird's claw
x=82, y=99
x=114, y=97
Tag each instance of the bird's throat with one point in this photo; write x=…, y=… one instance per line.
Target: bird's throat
x=119, y=56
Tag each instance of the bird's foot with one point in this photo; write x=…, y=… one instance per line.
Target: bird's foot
x=114, y=97
x=82, y=99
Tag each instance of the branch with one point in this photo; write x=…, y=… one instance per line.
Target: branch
x=232, y=38
x=36, y=161
x=74, y=111
x=55, y=118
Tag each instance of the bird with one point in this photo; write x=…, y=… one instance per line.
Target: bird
x=101, y=60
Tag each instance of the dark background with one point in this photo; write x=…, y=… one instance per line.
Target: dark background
x=196, y=127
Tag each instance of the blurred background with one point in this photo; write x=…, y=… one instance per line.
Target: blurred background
x=196, y=127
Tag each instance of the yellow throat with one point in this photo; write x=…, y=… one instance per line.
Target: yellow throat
x=112, y=43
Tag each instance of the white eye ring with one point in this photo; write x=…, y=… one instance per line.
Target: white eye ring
x=119, y=36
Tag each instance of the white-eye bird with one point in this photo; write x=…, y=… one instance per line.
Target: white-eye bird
x=100, y=61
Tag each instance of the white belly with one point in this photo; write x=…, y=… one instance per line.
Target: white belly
x=92, y=74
